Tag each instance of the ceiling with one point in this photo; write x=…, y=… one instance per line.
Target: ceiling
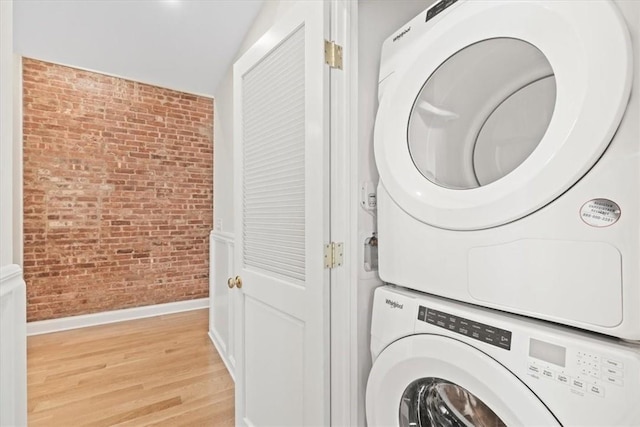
x=185, y=45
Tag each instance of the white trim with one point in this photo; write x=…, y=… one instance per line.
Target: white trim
x=217, y=343
x=105, y=317
x=7, y=273
x=222, y=236
x=13, y=347
x=18, y=162
x=344, y=169
x=356, y=410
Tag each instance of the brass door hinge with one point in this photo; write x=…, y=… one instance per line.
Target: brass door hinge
x=333, y=54
x=333, y=255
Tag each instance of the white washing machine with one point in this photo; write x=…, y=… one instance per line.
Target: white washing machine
x=508, y=145
x=443, y=363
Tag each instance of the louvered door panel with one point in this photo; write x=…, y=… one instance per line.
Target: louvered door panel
x=273, y=112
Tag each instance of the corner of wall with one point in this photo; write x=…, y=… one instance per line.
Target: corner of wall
x=18, y=239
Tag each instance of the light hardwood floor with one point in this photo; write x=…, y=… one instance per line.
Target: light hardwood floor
x=156, y=371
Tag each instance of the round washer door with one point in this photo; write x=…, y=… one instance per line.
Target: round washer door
x=431, y=380
x=500, y=107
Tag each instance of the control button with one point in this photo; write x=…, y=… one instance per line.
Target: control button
x=596, y=389
x=504, y=340
x=612, y=371
x=588, y=363
x=431, y=316
x=548, y=373
x=564, y=379
x=614, y=380
x=588, y=357
x=534, y=369
x=578, y=383
x=613, y=364
x=595, y=373
x=422, y=313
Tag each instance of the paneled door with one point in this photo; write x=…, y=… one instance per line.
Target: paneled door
x=281, y=128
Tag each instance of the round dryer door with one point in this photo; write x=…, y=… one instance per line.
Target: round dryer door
x=500, y=107
x=432, y=381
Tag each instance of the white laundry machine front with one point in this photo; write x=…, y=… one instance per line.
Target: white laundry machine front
x=508, y=145
x=443, y=363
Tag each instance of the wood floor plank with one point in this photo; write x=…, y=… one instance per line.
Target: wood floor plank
x=155, y=371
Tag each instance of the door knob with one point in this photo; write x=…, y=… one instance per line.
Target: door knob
x=238, y=281
x=231, y=282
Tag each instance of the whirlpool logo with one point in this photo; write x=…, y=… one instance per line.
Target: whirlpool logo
x=399, y=36
x=393, y=304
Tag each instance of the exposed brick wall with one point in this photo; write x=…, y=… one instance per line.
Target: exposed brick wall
x=118, y=192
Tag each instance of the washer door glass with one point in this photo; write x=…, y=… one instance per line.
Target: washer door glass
x=481, y=113
x=432, y=380
x=434, y=402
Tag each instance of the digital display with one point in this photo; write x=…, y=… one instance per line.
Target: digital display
x=547, y=352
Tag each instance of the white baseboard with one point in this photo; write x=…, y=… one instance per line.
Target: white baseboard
x=222, y=354
x=85, y=320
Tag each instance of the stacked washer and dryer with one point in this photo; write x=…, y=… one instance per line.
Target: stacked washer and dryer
x=508, y=145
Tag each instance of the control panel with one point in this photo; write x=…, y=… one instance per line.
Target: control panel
x=437, y=8
x=584, y=373
x=460, y=325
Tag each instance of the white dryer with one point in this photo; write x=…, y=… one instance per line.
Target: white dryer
x=444, y=363
x=508, y=145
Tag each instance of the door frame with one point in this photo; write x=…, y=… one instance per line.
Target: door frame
x=344, y=355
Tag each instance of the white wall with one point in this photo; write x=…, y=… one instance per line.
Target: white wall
x=377, y=20
x=7, y=213
x=13, y=345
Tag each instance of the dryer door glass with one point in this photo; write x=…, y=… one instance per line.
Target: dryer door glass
x=434, y=402
x=481, y=113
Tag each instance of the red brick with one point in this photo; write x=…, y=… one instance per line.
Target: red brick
x=118, y=192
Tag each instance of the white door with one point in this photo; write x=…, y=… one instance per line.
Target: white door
x=496, y=108
x=281, y=106
x=221, y=312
